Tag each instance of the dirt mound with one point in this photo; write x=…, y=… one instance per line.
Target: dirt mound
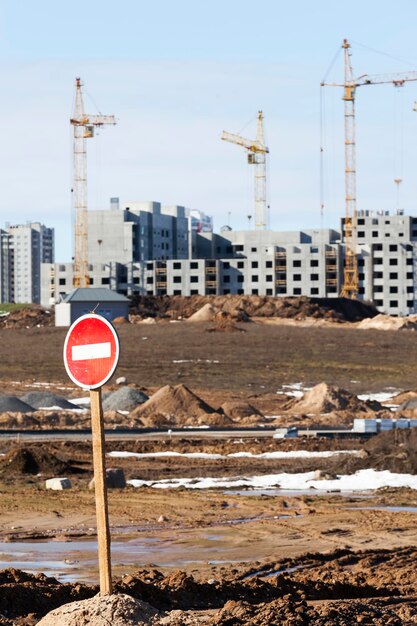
x=117, y=610
x=27, y=460
x=175, y=307
x=124, y=399
x=387, y=322
x=237, y=411
x=28, y=317
x=394, y=450
x=174, y=403
x=325, y=398
x=22, y=594
x=18, y=420
x=46, y=399
x=205, y=314
x=12, y=404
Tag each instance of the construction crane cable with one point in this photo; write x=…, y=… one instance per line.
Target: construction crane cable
x=385, y=54
x=329, y=69
x=322, y=142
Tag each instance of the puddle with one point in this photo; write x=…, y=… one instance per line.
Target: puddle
x=297, y=492
x=391, y=509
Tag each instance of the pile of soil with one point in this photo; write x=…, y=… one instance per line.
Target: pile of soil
x=46, y=399
x=179, y=307
x=124, y=399
x=205, y=314
x=387, y=322
x=12, y=404
x=242, y=411
x=28, y=317
x=174, y=403
x=325, y=398
x=33, y=460
x=117, y=610
x=394, y=450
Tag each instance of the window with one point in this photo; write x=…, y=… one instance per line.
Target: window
x=105, y=280
x=393, y=289
x=379, y=303
x=361, y=276
x=253, y=249
x=149, y=280
x=176, y=292
x=410, y=304
x=282, y=290
x=254, y=264
x=393, y=247
x=409, y=275
x=193, y=292
x=240, y=292
x=239, y=248
x=314, y=263
x=378, y=261
x=268, y=278
x=378, y=288
x=240, y=265
x=393, y=261
x=377, y=246
x=226, y=278
x=296, y=263
x=314, y=249
x=255, y=292
x=177, y=279
x=378, y=275
x=226, y=265
x=393, y=304
x=255, y=278
x=375, y=233
x=296, y=277
x=361, y=262
x=269, y=292
x=410, y=289
x=193, y=279
x=361, y=233
x=193, y=265
x=361, y=222
x=149, y=266
x=296, y=291
x=314, y=291
x=62, y=281
x=176, y=266
x=409, y=261
x=240, y=279
x=62, y=268
x=393, y=275
x=226, y=291
x=314, y=276
x=268, y=264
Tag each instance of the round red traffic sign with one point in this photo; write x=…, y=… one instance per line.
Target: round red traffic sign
x=91, y=351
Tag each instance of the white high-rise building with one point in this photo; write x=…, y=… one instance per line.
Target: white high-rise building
x=29, y=245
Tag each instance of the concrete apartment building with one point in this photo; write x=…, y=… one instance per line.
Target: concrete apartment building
x=144, y=248
x=23, y=248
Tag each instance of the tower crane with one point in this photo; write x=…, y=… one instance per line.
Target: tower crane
x=84, y=125
x=350, y=278
x=257, y=152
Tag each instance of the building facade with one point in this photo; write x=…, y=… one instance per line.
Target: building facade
x=308, y=262
x=24, y=248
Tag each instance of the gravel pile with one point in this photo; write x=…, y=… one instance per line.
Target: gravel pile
x=46, y=399
x=14, y=405
x=124, y=399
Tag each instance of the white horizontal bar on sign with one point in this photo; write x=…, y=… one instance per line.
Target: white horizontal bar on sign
x=91, y=351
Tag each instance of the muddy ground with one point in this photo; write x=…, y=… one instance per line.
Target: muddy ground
x=267, y=559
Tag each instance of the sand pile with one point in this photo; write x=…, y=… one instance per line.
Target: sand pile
x=325, y=398
x=387, y=322
x=205, y=314
x=12, y=404
x=47, y=399
x=173, y=403
x=28, y=317
x=117, y=610
x=124, y=399
x=27, y=460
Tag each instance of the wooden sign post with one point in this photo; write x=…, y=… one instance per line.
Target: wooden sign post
x=91, y=353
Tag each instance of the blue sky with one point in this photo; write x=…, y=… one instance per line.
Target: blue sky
x=176, y=74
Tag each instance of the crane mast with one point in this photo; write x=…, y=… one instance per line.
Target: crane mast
x=257, y=152
x=350, y=277
x=350, y=285
x=84, y=125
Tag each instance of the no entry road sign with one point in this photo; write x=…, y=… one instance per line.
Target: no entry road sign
x=91, y=351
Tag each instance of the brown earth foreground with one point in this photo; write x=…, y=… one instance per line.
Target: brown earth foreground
x=268, y=559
